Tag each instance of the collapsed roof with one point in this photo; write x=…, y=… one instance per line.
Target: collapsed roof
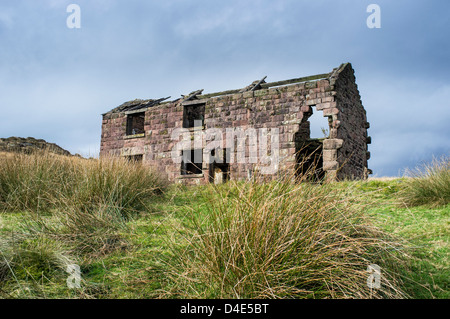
x=138, y=104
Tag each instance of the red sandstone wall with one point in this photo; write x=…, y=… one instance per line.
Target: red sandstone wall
x=278, y=107
x=353, y=155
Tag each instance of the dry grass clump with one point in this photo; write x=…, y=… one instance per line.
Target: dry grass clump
x=43, y=181
x=429, y=184
x=284, y=240
x=82, y=203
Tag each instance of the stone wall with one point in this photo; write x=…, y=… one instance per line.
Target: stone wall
x=352, y=126
x=282, y=107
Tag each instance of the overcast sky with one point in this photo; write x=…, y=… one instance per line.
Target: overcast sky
x=55, y=82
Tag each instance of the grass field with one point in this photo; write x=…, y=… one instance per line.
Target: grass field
x=239, y=240
x=426, y=229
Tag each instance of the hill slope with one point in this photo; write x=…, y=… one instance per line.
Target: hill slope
x=29, y=145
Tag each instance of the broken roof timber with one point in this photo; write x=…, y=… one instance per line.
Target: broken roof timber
x=258, y=84
x=147, y=104
x=192, y=95
x=139, y=105
x=269, y=85
x=136, y=106
x=253, y=86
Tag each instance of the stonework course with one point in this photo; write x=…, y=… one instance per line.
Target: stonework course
x=144, y=130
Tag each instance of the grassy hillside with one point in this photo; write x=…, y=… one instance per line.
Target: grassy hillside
x=133, y=236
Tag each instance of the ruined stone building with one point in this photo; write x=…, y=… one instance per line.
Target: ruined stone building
x=273, y=114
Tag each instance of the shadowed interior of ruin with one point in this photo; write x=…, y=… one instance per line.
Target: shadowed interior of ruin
x=135, y=158
x=309, y=159
x=309, y=147
x=192, y=162
x=219, y=169
x=135, y=124
x=193, y=114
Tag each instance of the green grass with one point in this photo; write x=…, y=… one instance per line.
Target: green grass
x=242, y=240
x=424, y=228
x=158, y=236
x=428, y=233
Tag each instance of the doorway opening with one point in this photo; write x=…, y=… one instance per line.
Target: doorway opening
x=313, y=130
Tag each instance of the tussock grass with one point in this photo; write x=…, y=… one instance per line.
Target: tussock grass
x=89, y=233
x=90, y=200
x=44, y=181
x=429, y=185
x=72, y=208
x=284, y=240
